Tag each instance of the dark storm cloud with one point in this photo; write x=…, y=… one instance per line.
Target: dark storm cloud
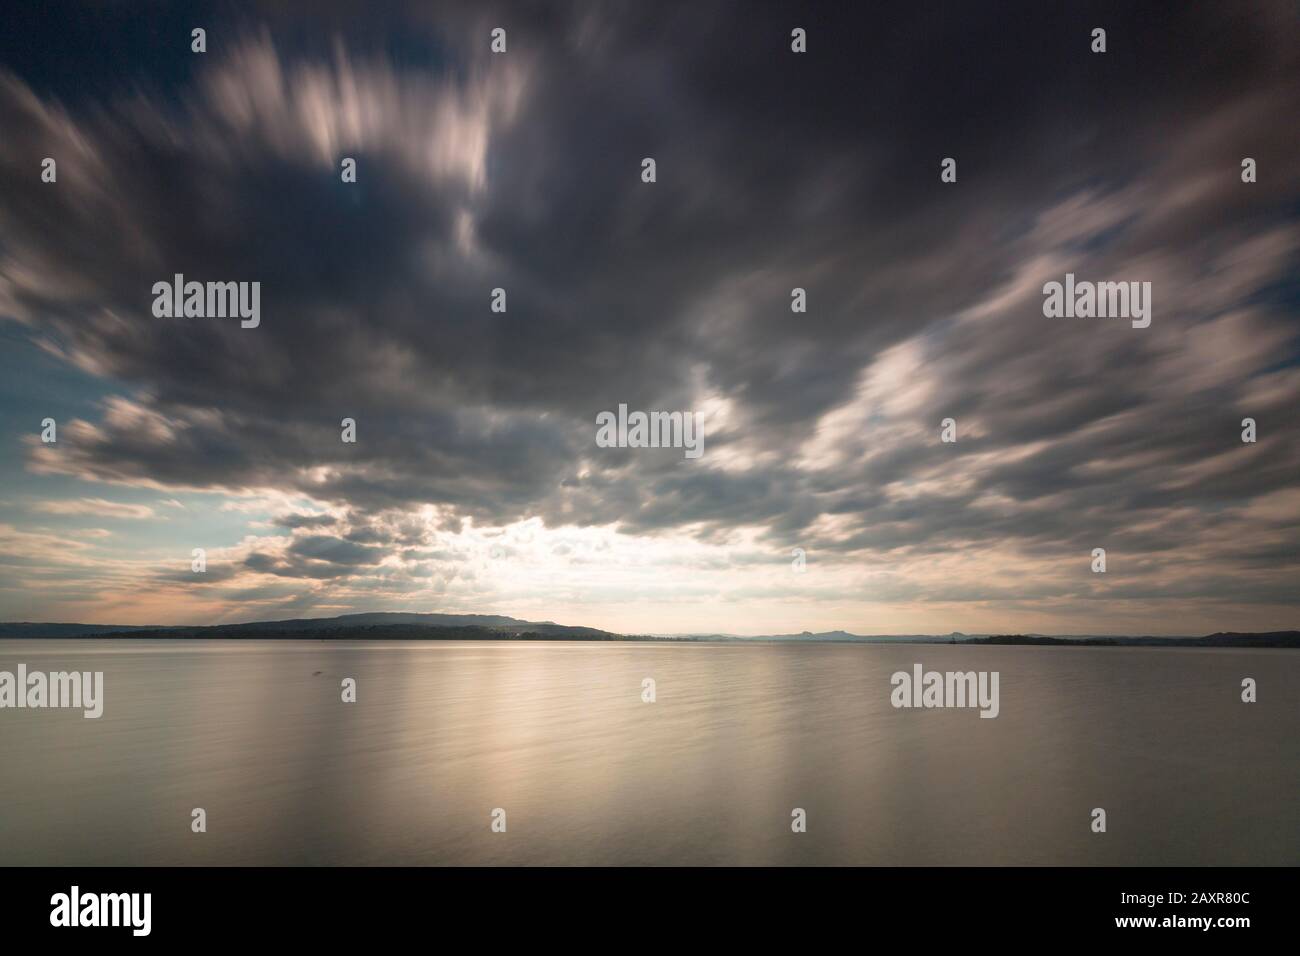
x=325, y=548
x=775, y=171
x=305, y=521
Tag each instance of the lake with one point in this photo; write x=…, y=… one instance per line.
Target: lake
x=558, y=736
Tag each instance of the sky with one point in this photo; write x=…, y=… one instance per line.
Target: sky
x=825, y=497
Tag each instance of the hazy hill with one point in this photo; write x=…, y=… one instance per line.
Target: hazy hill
x=327, y=627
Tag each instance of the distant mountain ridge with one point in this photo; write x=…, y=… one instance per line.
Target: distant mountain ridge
x=416, y=626
x=494, y=623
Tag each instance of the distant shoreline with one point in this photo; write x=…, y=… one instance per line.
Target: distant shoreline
x=334, y=629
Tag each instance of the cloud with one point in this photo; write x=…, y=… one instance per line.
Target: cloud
x=96, y=507
x=775, y=171
x=306, y=521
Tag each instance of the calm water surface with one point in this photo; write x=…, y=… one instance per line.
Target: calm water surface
x=557, y=735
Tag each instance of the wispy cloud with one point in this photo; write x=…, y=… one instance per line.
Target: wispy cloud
x=95, y=507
